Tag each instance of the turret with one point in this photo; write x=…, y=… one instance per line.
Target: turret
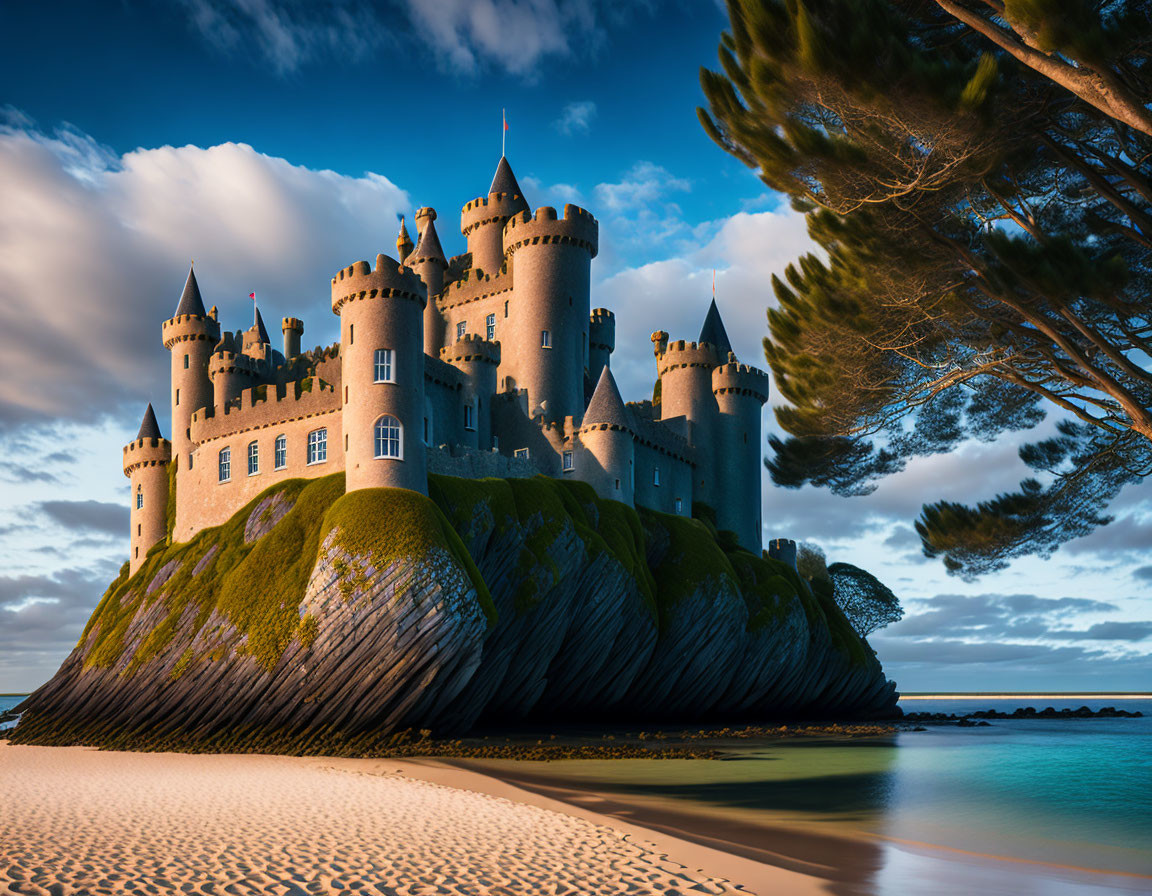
x=189, y=335
x=608, y=456
x=382, y=365
x=482, y=220
x=477, y=359
x=403, y=242
x=685, y=370
x=256, y=343
x=429, y=264
x=784, y=550
x=146, y=462
x=546, y=351
x=741, y=392
x=229, y=369
x=601, y=341
x=293, y=329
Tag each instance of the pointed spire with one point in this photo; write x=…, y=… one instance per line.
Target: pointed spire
x=713, y=331
x=258, y=323
x=429, y=245
x=190, y=301
x=403, y=241
x=149, y=428
x=606, y=405
x=505, y=180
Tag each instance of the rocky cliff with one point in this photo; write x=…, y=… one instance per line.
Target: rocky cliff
x=317, y=617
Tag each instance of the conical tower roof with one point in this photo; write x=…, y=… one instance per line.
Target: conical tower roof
x=429, y=245
x=190, y=301
x=505, y=180
x=713, y=331
x=149, y=428
x=606, y=405
x=259, y=324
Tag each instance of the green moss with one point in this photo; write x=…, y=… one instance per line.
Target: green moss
x=692, y=559
x=182, y=665
x=170, y=510
x=309, y=629
x=768, y=595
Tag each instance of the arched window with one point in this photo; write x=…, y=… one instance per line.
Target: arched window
x=253, y=458
x=389, y=438
x=280, y=460
x=225, y=464
x=139, y=497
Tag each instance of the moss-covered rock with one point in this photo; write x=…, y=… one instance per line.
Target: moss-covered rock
x=317, y=614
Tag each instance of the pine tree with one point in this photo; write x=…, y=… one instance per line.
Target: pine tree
x=979, y=178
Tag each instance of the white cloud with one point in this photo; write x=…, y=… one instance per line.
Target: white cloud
x=97, y=247
x=576, y=118
x=644, y=184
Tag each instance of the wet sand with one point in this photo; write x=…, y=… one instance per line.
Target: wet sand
x=79, y=821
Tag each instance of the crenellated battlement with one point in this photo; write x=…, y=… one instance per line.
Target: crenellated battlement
x=389, y=280
x=225, y=361
x=473, y=286
x=495, y=207
x=471, y=348
x=687, y=354
x=292, y=323
x=265, y=405
x=741, y=379
x=577, y=228
x=602, y=316
x=148, y=452
x=189, y=328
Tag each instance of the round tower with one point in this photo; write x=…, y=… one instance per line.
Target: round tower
x=607, y=462
x=381, y=315
x=741, y=392
x=685, y=370
x=477, y=359
x=482, y=220
x=146, y=462
x=784, y=550
x=229, y=370
x=601, y=341
x=293, y=329
x=189, y=335
x=429, y=264
x=549, y=340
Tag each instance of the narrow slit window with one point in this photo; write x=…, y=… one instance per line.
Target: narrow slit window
x=546, y=339
x=469, y=417
x=655, y=475
x=461, y=329
x=139, y=498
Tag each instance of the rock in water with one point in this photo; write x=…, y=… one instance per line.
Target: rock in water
x=316, y=620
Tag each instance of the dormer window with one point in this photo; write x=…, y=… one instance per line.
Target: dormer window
x=461, y=330
x=546, y=339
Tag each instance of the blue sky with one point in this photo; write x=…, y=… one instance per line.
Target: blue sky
x=276, y=141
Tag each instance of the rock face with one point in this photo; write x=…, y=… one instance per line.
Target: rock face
x=315, y=617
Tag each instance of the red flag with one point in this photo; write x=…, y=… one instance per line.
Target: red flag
x=252, y=296
x=505, y=118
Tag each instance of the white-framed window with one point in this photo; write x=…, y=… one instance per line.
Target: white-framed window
x=253, y=458
x=461, y=329
x=469, y=417
x=280, y=452
x=382, y=366
x=679, y=505
x=655, y=475
x=490, y=327
x=567, y=461
x=317, y=446
x=225, y=464
x=139, y=497
x=388, y=436
x=546, y=339
x=520, y=452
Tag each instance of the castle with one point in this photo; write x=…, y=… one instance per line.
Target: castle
x=490, y=363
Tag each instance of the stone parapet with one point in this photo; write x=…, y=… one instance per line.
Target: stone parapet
x=687, y=354
x=577, y=228
x=495, y=207
x=472, y=288
x=741, y=379
x=471, y=348
x=388, y=280
x=146, y=453
x=189, y=328
x=262, y=406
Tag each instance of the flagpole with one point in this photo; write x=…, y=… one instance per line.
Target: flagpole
x=503, y=130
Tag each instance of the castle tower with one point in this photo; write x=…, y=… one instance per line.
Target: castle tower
x=482, y=220
x=229, y=369
x=189, y=335
x=685, y=370
x=741, y=392
x=429, y=263
x=146, y=466
x=403, y=242
x=784, y=550
x=477, y=359
x=601, y=341
x=257, y=345
x=546, y=348
x=293, y=329
x=606, y=463
x=381, y=315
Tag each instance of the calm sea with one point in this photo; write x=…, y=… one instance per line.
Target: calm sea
x=1064, y=806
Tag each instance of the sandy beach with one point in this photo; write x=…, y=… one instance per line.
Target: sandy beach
x=78, y=821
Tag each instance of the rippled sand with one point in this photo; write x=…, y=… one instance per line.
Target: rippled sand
x=78, y=821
